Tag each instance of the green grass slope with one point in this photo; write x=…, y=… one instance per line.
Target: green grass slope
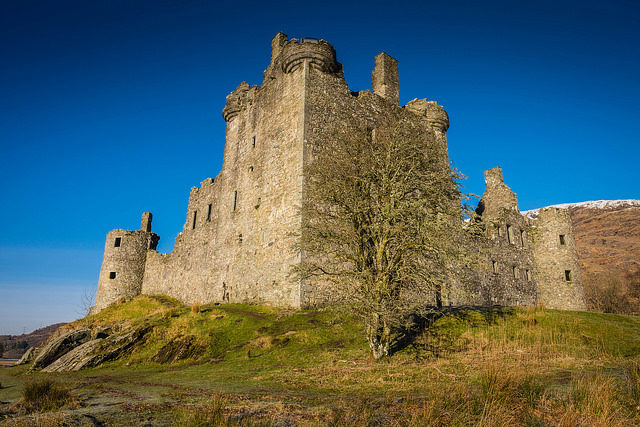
x=227, y=364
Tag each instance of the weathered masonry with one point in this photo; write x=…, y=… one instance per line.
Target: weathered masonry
x=238, y=242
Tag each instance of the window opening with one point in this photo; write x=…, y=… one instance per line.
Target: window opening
x=250, y=168
x=253, y=141
x=522, y=238
x=240, y=238
x=235, y=200
x=528, y=274
x=195, y=218
x=112, y=275
x=116, y=244
x=258, y=204
x=209, y=212
x=516, y=274
x=567, y=275
x=509, y=233
x=562, y=240
x=494, y=266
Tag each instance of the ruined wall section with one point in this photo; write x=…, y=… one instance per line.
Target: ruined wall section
x=509, y=276
x=184, y=273
x=559, y=277
x=244, y=251
x=123, y=264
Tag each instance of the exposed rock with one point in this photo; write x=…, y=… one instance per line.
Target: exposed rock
x=99, y=350
x=28, y=356
x=180, y=349
x=76, y=359
x=59, y=346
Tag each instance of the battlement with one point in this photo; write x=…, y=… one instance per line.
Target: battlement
x=318, y=53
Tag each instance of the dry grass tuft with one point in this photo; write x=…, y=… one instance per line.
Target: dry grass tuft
x=44, y=395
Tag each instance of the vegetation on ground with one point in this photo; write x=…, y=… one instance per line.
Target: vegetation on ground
x=43, y=395
x=264, y=366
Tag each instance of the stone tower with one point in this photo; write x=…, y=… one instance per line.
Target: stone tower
x=122, y=271
x=558, y=270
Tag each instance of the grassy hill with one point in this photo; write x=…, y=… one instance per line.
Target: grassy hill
x=229, y=364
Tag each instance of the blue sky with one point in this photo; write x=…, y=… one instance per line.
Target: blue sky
x=109, y=109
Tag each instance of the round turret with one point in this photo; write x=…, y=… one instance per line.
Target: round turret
x=125, y=255
x=437, y=116
x=320, y=54
x=237, y=100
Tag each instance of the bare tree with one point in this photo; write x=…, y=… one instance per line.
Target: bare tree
x=381, y=222
x=87, y=300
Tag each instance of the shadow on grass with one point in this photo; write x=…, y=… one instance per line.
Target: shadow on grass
x=445, y=323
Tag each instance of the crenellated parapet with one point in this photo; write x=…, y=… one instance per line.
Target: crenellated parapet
x=238, y=100
x=435, y=114
x=318, y=53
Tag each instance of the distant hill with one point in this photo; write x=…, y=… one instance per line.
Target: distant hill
x=607, y=236
x=15, y=345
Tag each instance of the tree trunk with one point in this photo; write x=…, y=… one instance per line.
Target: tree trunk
x=379, y=336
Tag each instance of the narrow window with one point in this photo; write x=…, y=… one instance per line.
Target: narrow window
x=240, y=238
x=567, y=275
x=500, y=232
x=562, y=241
x=258, y=204
x=509, y=233
x=253, y=141
x=250, y=168
x=494, y=266
x=235, y=199
x=528, y=274
x=195, y=218
x=522, y=238
x=112, y=275
x=516, y=274
x=209, y=213
x=116, y=244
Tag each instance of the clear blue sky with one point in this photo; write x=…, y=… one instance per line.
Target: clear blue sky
x=112, y=108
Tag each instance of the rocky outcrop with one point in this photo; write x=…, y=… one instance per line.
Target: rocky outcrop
x=59, y=346
x=100, y=348
x=28, y=356
x=76, y=359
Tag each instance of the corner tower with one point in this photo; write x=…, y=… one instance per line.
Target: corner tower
x=125, y=254
x=559, y=277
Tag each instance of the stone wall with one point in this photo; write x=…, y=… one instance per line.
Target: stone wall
x=238, y=241
x=509, y=276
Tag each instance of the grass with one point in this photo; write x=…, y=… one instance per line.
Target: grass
x=491, y=366
x=44, y=395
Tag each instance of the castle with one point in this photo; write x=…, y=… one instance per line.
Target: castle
x=238, y=242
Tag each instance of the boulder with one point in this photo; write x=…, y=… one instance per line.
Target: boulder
x=59, y=346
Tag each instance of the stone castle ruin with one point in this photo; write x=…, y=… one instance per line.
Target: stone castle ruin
x=238, y=243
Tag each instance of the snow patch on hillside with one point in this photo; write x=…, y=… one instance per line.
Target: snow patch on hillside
x=592, y=204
